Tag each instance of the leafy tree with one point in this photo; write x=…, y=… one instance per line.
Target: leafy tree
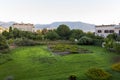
x=113, y=36
x=63, y=31
x=109, y=43
x=44, y=31
x=17, y=33
x=52, y=35
x=90, y=34
x=76, y=34
x=116, y=47
x=10, y=29
x=6, y=34
x=3, y=43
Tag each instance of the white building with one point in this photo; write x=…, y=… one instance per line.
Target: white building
x=105, y=30
x=24, y=27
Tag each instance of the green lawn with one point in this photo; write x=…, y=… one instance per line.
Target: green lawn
x=37, y=63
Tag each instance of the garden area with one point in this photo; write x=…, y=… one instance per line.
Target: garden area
x=39, y=63
x=61, y=54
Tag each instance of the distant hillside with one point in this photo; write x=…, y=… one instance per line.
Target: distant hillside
x=6, y=24
x=73, y=25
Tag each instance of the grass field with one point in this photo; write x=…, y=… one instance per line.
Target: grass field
x=37, y=63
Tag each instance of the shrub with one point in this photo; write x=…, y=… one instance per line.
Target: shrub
x=25, y=42
x=3, y=43
x=72, y=77
x=52, y=35
x=116, y=47
x=98, y=42
x=68, y=48
x=109, y=44
x=85, y=41
x=116, y=67
x=98, y=74
x=10, y=41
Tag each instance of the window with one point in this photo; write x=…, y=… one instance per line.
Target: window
x=119, y=32
x=99, y=31
x=111, y=31
x=106, y=31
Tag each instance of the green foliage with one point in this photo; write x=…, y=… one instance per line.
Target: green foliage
x=10, y=29
x=25, y=42
x=52, y=35
x=44, y=31
x=116, y=47
x=116, y=67
x=76, y=34
x=68, y=48
x=109, y=43
x=10, y=41
x=63, y=31
x=112, y=36
x=15, y=33
x=6, y=34
x=98, y=74
x=90, y=35
x=3, y=43
x=85, y=41
x=98, y=40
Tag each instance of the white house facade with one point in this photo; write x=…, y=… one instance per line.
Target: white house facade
x=24, y=27
x=105, y=30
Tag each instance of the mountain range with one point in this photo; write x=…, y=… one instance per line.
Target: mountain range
x=86, y=27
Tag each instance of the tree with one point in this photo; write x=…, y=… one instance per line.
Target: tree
x=10, y=29
x=109, y=43
x=52, y=35
x=3, y=43
x=44, y=31
x=6, y=34
x=112, y=36
x=63, y=31
x=90, y=34
x=76, y=34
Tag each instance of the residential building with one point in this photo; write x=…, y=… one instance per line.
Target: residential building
x=105, y=30
x=3, y=29
x=24, y=27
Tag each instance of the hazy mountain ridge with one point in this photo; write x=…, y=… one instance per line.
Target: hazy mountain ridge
x=6, y=24
x=73, y=25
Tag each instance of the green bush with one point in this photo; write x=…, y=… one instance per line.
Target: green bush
x=116, y=67
x=52, y=35
x=25, y=42
x=3, y=43
x=10, y=41
x=98, y=42
x=116, y=47
x=98, y=74
x=68, y=48
x=109, y=44
x=85, y=41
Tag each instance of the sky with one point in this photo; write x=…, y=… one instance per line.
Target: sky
x=48, y=11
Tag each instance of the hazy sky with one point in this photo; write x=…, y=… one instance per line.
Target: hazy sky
x=47, y=11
